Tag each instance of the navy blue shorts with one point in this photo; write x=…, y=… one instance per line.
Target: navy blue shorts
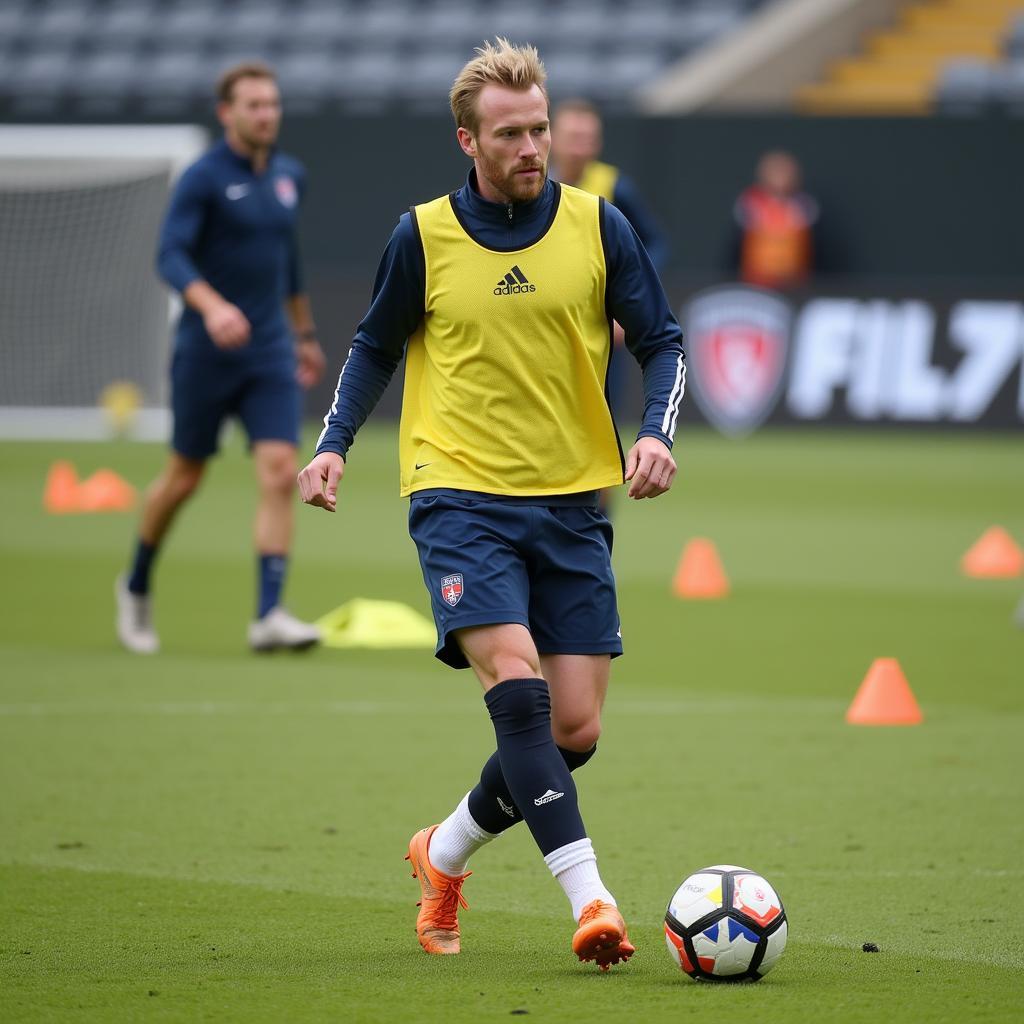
x=265, y=396
x=546, y=567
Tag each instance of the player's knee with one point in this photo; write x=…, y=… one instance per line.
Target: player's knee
x=181, y=484
x=513, y=666
x=277, y=476
x=577, y=735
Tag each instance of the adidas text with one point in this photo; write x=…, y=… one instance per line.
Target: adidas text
x=548, y=797
x=515, y=282
x=514, y=289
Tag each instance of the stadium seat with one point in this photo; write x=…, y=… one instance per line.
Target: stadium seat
x=173, y=80
x=649, y=24
x=1015, y=40
x=237, y=52
x=428, y=77
x=105, y=80
x=308, y=80
x=369, y=78
x=124, y=23
x=324, y=24
x=191, y=25
x=582, y=23
x=521, y=24
x=450, y=24
x=259, y=25
x=573, y=72
x=42, y=73
x=1009, y=88
x=393, y=21
x=107, y=73
x=624, y=72
x=966, y=87
x=61, y=23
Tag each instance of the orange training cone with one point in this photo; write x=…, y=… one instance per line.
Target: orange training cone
x=885, y=697
x=994, y=555
x=60, y=495
x=700, y=574
x=105, y=491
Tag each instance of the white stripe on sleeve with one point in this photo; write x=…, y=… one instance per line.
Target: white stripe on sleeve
x=675, y=400
x=334, y=402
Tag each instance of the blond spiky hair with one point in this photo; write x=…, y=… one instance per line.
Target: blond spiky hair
x=498, y=63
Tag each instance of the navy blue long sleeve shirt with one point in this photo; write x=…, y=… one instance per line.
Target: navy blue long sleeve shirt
x=235, y=229
x=626, y=197
x=634, y=298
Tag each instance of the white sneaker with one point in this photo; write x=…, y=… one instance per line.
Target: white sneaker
x=135, y=620
x=278, y=629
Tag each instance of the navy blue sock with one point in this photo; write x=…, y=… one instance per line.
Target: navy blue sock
x=142, y=565
x=538, y=779
x=491, y=803
x=272, y=570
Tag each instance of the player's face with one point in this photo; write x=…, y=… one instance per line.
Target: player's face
x=575, y=141
x=511, y=144
x=253, y=114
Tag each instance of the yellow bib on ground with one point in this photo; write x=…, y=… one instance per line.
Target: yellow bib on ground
x=599, y=179
x=505, y=377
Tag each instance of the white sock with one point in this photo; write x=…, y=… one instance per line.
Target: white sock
x=575, y=869
x=456, y=839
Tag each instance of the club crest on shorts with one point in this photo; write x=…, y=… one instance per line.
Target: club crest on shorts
x=286, y=192
x=737, y=341
x=451, y=588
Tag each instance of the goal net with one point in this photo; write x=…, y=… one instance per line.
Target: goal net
x=82, y=312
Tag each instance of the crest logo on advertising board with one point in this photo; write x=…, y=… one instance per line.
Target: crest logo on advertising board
x=451, y=589
x=737, y=340
x=287, y=193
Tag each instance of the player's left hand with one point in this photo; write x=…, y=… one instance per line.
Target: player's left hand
x=312, y=362
x=650, y=468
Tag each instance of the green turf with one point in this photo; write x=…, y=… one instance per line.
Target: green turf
x=206, y=835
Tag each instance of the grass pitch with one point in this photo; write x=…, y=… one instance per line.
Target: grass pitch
x=208, y=835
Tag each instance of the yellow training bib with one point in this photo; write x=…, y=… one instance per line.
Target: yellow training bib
x=505, y=377
x=599, y=179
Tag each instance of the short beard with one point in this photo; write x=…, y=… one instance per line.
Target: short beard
x=511, y=186
x=255, y=143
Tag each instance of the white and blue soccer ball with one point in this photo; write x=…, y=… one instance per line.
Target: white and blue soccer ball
x=726, y=923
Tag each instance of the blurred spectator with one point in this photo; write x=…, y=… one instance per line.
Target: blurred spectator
x=776, y=224
x=576, y=140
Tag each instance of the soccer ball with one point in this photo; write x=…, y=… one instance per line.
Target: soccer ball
x=725, y=923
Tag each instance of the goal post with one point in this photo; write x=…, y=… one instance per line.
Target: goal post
x=81, y=307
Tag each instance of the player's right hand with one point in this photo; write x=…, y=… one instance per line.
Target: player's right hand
x=227, y=325
x=318, y=482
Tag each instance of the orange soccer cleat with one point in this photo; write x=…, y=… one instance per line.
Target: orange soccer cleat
x=601, y=936
x=437, y=924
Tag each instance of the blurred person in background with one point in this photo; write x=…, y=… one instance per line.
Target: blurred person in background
x=577, y=138
x=774, y=244
x=228, y=246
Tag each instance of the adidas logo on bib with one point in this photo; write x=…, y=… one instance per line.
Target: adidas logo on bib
x=514, y=283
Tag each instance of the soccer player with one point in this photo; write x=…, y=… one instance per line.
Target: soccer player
x=228, y=246
x=502, y=296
